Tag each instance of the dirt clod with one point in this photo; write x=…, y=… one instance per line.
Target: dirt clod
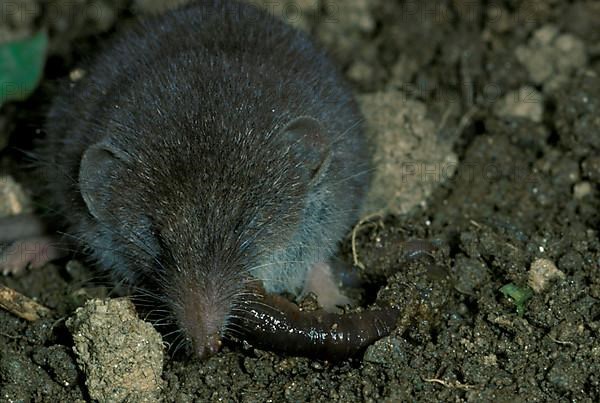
x=120, y=355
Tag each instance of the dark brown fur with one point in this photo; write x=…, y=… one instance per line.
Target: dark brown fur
x=168, y=159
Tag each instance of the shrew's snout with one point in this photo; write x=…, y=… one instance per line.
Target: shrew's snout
x=207, y=345
x=202, y=317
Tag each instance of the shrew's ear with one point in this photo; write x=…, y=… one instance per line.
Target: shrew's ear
x=309, y=145
x=97, y=171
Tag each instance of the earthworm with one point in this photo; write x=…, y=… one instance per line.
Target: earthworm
x=273, y=323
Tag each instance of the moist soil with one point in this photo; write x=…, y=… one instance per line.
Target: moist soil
x=525, y=190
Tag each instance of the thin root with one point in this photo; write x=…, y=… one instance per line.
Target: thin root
x=450, y=385
x=564, y=343
x=355, y=230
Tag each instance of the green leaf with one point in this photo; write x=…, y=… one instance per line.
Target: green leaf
x=21, y=67
x=520, y=295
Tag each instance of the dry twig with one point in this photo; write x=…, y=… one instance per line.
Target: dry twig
x=20, y=305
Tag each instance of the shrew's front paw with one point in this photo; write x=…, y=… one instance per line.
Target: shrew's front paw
x=27, y=244
x=320, y=281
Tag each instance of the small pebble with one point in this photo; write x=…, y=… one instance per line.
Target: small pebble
x=541, y=273
x=581, y=190
x=526, y=103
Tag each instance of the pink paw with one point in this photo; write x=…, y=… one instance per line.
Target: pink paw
x=321, y=282
x=32, y=252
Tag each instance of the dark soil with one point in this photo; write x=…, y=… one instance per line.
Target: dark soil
x=525, y=189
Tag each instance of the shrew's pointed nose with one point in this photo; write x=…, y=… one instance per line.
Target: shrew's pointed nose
x=209, y=346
